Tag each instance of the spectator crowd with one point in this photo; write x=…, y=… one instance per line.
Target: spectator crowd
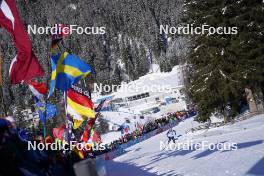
x=17, y=160
x=157, y=124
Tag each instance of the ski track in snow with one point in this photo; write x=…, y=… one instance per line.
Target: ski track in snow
x=146, y=158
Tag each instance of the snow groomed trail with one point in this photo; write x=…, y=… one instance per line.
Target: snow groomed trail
x=147, y=159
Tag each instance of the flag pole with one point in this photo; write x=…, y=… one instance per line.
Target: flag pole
x=45, y=119
x=46, y=100
x=1, y=85
x=49, y=54
x=44, y=124
x=65, y=107
x=67, y=121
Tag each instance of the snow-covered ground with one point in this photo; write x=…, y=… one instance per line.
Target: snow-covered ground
x=110, y=137
x=116, y=119
x=146, y=158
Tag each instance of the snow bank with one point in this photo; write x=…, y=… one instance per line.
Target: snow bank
x=146, y=159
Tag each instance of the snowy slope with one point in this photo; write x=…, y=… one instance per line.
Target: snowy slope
x=115, y=120
x=155, y=80
x=110, y=137
x=118, y=118
x=146, y=158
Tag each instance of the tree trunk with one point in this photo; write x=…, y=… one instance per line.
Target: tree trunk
x=251, y=101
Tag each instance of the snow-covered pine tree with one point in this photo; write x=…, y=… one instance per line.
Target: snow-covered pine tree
x=223, y=65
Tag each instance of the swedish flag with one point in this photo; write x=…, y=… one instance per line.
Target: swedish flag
x=67, y=69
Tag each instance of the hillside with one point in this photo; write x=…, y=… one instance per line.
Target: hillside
x=146, y=159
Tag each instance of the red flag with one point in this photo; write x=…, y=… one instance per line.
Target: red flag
x=58, y=132
x=38, y=89
x=25, y=65
x=80, y=99
x=85, y=135
x=89, y=135
x=90, y=123
x=79, y=105
x=96, y=137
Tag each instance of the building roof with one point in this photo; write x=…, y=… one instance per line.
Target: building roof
x=151, y=81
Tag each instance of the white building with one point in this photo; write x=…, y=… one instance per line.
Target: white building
x=149, y=93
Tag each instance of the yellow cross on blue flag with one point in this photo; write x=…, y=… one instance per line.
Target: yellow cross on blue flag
x=67, y=69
